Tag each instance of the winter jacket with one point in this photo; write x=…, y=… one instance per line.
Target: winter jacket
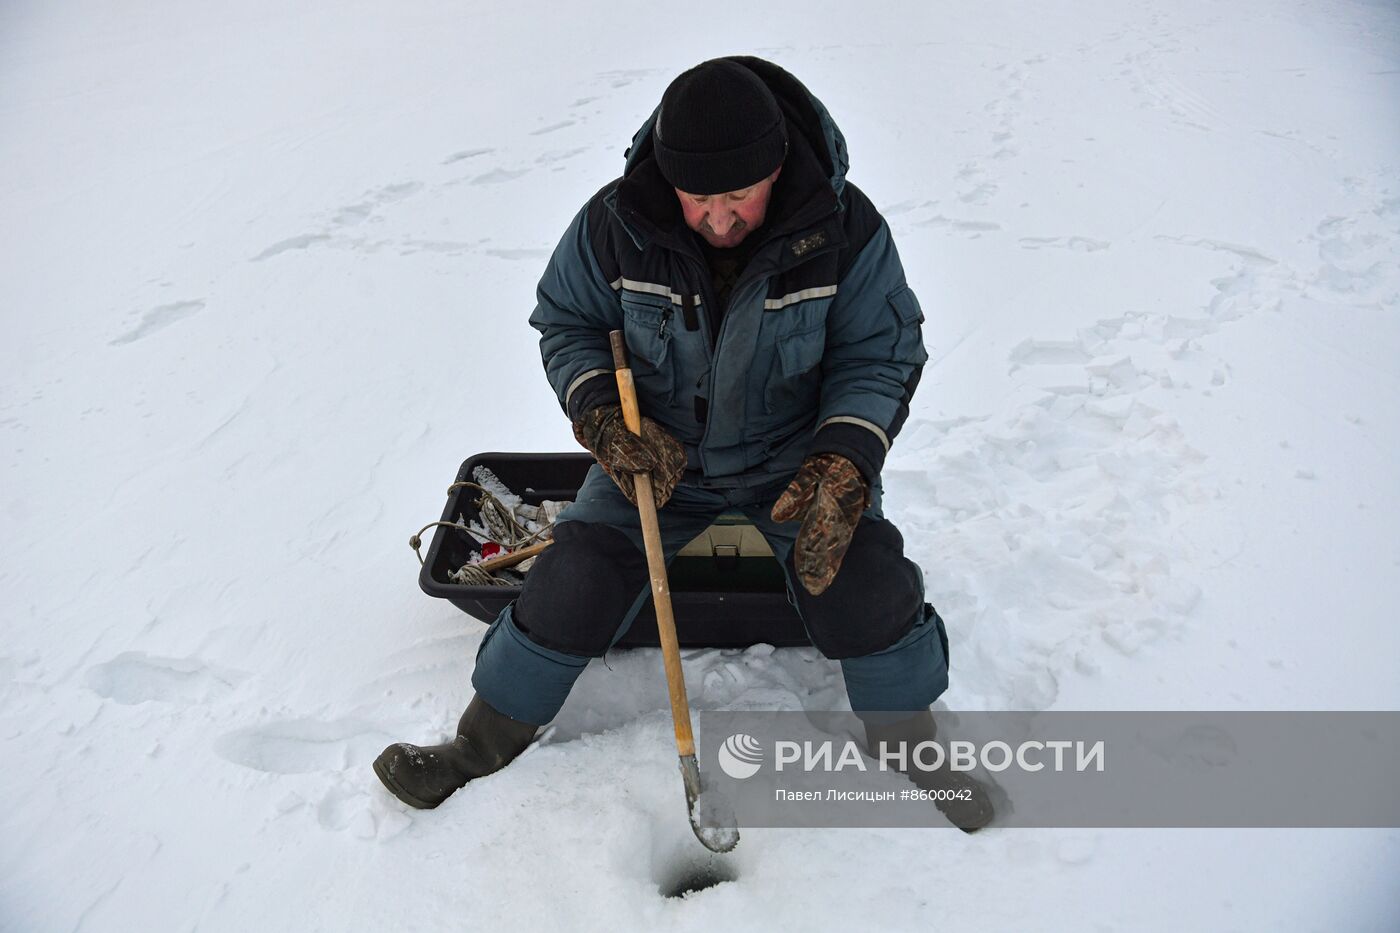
x=820, y=346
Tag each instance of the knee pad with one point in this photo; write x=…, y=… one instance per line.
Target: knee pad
x=580, y=588
x=875, y=600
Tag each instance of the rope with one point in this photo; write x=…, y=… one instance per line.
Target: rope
x=472, y=575
x=502, y=527
x=506, y=530
x=416, y=541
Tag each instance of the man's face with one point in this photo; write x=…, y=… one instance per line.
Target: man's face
x=725, y=219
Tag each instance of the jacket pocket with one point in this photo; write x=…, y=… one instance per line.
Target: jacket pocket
x=647, y=323
x=793, y=383
x=909, y=342
x=906, y=305
x=799, y=353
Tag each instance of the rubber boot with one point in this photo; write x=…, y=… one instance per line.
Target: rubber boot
x=967, y=805
x=425, y=776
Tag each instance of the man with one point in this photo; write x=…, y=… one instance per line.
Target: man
x=775, y=348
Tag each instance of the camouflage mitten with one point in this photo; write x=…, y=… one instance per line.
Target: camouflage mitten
x=621, y=453
x=828, y=495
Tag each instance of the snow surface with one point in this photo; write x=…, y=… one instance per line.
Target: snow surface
x=265, y=276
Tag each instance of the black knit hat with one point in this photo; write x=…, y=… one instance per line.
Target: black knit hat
x=720, y=129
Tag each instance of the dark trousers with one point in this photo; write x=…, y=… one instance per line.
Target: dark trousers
x=583, y=592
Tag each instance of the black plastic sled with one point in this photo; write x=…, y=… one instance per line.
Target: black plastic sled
x=727, y=589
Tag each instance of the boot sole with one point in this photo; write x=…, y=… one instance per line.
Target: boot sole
x=972, y=828
x=393, y=787
x=971, y=822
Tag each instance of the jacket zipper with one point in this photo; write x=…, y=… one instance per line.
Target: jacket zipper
x=712, y=346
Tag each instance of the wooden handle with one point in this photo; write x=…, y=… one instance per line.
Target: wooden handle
x=619, y=348
x=631, y=414
x=492, y=564
x=656, y=560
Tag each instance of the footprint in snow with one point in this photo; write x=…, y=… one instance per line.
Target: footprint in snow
x=974, y=227
x=301, y=746
x=158, y=319
x=553, y=127
x=352, y=214
x=496, y=176
x=364, y=810
x=1032, y=352
x=981, y=194
x=1082, y=244
x=291, y=243
x=465, y=154
x=388, y=194
x=345, y=808
x=558, y=155
x=136, y=677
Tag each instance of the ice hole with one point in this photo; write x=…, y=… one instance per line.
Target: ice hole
x=695, y=872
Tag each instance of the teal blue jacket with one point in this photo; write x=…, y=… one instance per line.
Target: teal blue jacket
x=818, y=350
